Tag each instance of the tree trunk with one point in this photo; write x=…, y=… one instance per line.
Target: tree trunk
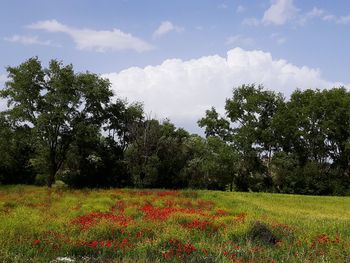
x=52, y=171
x=51, y=178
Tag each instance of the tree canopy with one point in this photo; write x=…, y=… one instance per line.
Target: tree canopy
x=69, y=126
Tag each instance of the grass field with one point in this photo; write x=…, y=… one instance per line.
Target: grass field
x=125, y=225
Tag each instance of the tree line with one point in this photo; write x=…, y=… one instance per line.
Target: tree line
x=63, y=125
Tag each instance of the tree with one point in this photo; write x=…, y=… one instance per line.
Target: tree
x=53, y=102
x=313, y=129
x=16, y=149
x=215, y=126
x=251, y=110
x=122, y=121
x=142, y=154
x=211, y=163
x=248, y=128
x=156, y=154
x=172, y=156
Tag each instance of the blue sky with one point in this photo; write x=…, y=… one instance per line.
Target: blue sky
x=155, y=50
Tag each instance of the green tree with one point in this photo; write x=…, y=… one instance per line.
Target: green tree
x=313, y=129
x=248, y=128
x=212, y=163
x=16, y=149
x=142, y=154
x=156, y=154
x=122, y=121
x=215, y=126
x=53, y=102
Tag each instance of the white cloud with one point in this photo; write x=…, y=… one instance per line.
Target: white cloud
x=329, y=18
x=3, y=104
x=166, y=27
x=282, y=11
x=30, y=40
x=279, y=12
x=240, y=9
x=323, y=15
x=89, y=39
x=183, y=90
x=3, y=79
x=343, y=20
x=251, y=21
x=314, y=13
x=239, y=40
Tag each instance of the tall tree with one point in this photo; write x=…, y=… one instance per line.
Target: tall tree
x=248, y=127
x=16, y=149
x=53, y=102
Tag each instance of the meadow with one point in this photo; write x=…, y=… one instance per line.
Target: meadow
x=39, y=224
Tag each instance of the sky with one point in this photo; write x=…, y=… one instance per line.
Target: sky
x=181, y=57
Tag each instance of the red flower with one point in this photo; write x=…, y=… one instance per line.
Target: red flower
x=221, y=212
x=240, y=217
x=36, y=242
x=86, y=221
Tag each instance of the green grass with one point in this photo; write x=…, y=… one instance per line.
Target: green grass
x=41, y=225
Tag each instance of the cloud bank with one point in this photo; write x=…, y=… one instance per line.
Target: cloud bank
x=183, y=90
x=95, y=40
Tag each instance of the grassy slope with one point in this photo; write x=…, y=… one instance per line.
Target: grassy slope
x=39, y=224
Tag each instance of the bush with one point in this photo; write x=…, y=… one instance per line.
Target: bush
x=261, y=233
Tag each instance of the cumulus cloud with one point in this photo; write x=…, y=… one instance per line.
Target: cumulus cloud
x=279, y=12
x=30, y=40
x=166, y=27
x=183, y=90
x=95, y=40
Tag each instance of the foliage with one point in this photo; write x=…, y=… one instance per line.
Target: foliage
x=16, y=149
x=157, y=155
x=65, y=125
x=295, y=146
x=53, y=102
